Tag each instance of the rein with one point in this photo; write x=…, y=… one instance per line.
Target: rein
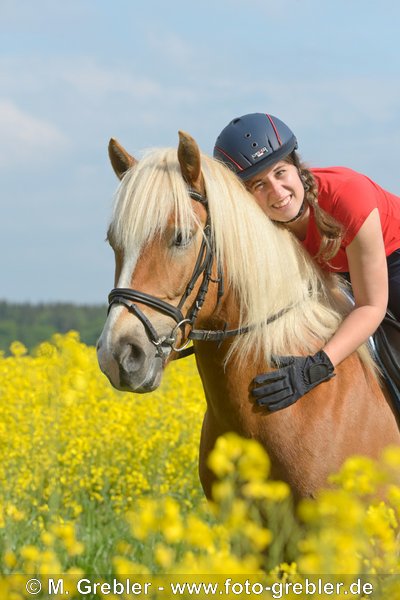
x=203, y=267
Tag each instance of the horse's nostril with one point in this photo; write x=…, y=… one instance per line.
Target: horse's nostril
x=131, y=357
x=136, y=352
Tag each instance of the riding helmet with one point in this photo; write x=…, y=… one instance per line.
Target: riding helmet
x=253, y=142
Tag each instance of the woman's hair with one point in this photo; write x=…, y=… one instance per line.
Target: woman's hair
x=330, y=230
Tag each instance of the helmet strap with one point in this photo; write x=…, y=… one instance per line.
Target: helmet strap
x=299, y=214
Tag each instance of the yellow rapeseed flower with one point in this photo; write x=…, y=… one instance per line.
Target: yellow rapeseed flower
x=391, y=457
x=113, y=483
x=259, y=536
x=359, y=474
x=164, y=556
x=123, y=566
x=18, y=349
x=9, y=559
x=199, y=534
x=31, y=553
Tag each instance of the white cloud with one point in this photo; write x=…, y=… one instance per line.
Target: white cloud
x=26, y=138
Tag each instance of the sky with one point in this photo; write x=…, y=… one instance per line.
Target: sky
x=75, y=73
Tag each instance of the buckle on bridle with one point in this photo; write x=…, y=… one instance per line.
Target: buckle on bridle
x=174, y=333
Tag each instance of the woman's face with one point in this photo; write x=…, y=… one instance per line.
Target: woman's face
x=278, y=190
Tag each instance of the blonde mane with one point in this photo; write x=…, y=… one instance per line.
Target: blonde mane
x=264, y=265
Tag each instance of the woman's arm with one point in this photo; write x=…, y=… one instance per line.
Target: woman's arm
x=369, y=280
x=297, y=375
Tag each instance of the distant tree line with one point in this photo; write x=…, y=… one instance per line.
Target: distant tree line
x=34, y=323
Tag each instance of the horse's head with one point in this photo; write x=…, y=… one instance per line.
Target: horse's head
x=163, y=253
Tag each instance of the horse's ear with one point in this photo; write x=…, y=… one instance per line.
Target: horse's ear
x=121, y=161
x=190, y=162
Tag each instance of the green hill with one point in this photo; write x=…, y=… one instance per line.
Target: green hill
x=34, y=323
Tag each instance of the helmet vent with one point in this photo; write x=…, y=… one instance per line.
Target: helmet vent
x=247, y=135
x=254, y=144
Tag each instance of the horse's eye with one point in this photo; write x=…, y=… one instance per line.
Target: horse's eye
x=178, y=239
x=181, y=241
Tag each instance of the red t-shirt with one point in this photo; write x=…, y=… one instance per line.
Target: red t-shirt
x=350, y=197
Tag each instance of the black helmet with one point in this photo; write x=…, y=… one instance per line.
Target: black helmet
x=251, y=143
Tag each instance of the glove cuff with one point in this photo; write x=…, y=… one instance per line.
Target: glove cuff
x=321, y=368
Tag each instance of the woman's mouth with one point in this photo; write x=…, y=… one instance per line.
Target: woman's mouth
x=282, y=203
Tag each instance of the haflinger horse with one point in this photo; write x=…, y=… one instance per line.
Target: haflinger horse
x=197, y=259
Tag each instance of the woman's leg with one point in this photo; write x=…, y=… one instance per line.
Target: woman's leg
x=393, y=262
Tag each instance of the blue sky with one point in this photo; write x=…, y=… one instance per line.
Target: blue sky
x=73, y=74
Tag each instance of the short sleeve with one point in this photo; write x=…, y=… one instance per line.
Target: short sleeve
x=352, y=203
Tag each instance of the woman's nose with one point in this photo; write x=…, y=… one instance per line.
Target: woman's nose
x=274, y=188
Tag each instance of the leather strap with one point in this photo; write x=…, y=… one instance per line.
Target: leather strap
x=221, y=334
x=118, y=294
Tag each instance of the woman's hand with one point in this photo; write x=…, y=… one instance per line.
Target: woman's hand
x=296, y=376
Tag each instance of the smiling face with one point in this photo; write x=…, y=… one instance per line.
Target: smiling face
x=278, y=190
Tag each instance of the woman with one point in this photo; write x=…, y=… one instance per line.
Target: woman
x=346, y=221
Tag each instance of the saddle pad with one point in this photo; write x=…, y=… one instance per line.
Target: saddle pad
x=387, y=342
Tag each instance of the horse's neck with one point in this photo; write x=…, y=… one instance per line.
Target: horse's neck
x=223, y=381
x=225, y=385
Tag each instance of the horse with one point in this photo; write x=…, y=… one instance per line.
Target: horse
x=197, y=259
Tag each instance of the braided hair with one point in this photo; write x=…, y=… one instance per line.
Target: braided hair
x=330, y=230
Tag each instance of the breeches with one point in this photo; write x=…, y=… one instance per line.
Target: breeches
x=393, y=262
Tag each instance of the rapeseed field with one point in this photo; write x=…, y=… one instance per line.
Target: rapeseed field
x=99, y=485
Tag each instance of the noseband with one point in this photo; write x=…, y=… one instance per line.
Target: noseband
x=203, y=267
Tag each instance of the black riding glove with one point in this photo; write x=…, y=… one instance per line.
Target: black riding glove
x=296, y=376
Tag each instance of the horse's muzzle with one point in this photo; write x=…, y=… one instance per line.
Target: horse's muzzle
x=129, y=367
x=128, y=380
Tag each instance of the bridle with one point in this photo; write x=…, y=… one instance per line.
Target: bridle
x=203, y=267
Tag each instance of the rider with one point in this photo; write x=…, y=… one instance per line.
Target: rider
x=348, y=223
